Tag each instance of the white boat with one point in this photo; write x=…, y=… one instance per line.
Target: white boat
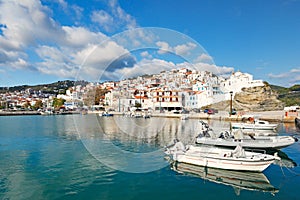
x=106, y=114
x=221, y=158
x=229, y=139
x=184, y=117
x=255, y=124
x=252, y=181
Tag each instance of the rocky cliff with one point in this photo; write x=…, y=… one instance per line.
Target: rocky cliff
x=253, y=99
x=257, y=99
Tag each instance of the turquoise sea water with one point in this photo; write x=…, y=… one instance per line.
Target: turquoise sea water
x=88, y=157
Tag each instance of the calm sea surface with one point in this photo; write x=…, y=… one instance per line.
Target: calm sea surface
x=89, y=157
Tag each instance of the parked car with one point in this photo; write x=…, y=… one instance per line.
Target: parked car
x=175, y=111
x=205, y=110
x=185, y=112
x=196, y=110
x=209, y=111
x=215, y=110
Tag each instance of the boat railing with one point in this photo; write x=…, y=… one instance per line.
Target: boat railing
x=261, y=151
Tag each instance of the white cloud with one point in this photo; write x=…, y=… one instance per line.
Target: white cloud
x=181, y=50
x=72, y=10
x=114, y=18
x=296, y=70
x=146, y=54
x=204, y=58
x=145, y=66
x=81, y=37
x=154, y=66
x=164, y=47
x=26, y=27
x=61, y=49
x=288, y=78
x=86, y=63
x=103, y=19
x=100, y=55
x=51, y=53
x=184, y=49
x=122, y=17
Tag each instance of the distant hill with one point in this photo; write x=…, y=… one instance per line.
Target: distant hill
x=289, y=96
x=51, y=88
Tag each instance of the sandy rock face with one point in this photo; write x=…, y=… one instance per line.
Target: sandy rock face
x=257, y=99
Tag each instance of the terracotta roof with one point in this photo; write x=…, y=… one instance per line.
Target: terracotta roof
x=140, y=97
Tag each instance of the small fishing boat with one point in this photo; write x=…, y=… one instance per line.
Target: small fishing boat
x=230, y=139
x=184, y=117
x=106, y=114
x=239, y=180
x=255, y=124
x=221, y=158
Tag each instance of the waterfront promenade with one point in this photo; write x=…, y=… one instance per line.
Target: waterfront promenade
x=272, y=116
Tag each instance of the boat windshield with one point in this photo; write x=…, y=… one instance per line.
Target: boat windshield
x=239, y=152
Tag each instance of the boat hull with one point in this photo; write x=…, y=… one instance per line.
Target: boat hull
x=228, y=164
x=222, y=158
x=275, y=142
x=254, y=126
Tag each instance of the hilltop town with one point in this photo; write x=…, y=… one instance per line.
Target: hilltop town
x=178, y=89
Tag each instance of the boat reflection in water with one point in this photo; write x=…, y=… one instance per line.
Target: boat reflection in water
x=238, y=180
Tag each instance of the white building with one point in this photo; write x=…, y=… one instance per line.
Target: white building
x=239, y=80
x=167, y=100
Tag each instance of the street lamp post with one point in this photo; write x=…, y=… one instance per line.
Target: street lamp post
x=160, y=103
x=230, y=103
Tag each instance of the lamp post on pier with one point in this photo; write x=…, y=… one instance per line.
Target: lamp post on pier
x=230, y=103
x=160, y=96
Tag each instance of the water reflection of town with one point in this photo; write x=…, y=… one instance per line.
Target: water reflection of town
x=288, y=128
x=156, y=131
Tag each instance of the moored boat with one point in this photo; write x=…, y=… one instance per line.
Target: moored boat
x=221, y=158
x=255, y=124
x=184, y=117
x=230, y=139
x=106, y=114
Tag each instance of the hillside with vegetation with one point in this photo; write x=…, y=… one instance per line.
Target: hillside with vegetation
x=289, y=96
x=58, y=87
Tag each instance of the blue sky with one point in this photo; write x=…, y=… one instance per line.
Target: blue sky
x=42, y=41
